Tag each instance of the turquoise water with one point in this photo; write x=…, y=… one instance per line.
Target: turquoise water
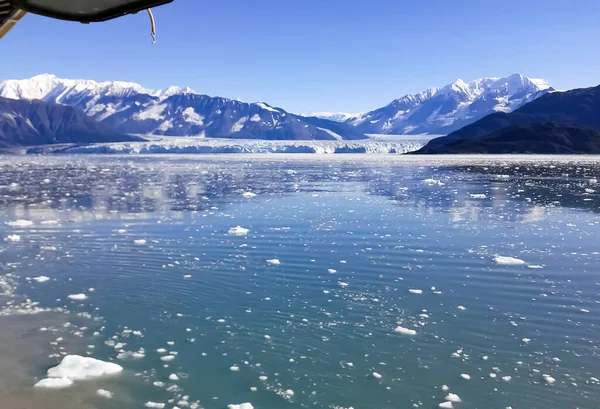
x=352, y=237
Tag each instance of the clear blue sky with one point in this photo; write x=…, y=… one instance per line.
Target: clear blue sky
x=319, y=55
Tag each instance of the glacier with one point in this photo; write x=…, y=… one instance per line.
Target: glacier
x=173, y=145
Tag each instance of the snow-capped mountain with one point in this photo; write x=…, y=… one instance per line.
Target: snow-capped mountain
x=333, y=116
x=133, y=109
x=439, y=111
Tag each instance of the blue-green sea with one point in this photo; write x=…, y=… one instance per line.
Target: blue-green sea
x=365, y=282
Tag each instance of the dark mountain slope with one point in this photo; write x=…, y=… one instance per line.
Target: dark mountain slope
x=28, y=123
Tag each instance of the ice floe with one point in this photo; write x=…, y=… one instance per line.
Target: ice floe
x=104, y=393
x=41, y=279
x=405, y=331
x=77, y=368
x=19, y=223
x=238, y=231
x=77, y=297
x=508, y=261
x=241, y=406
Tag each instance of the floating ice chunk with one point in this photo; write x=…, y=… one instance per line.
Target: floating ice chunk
x=154, y=405
x=48, y=248
x=158, y=384
x=526, y=340
x=139, y=242
x=274, y=262
x=492, y=375
x=405, y=331
x=452, y=397
x=376, y=375
x=262, y=378
x=253, y=388
x=234, y=368
x=413, y=291
x=77, y=368
x=267, y=337
x=241, y=406
x=238, y=231
x=249, y=195
x=506, y=378
x=54, y=383
x=187, y=276
x=13, y=238
x=461, y=308
x=584, y=310
x=535, y=266
x=477, y=196
x=289, y=393
x=167, y=358
x=77, y=297
x=332, y=271
x=161, y=351
x=103, y=393
x=433, y=182
x=465, y=376
x=509, y=261
x=41, y=279
x=445, y=388
x=549, y=379
x=446, y=405
x=130, y=355
x=343, y=284
x=173, y=377
x=20, y=223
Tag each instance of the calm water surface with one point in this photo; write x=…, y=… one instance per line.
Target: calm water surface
x=148, y=241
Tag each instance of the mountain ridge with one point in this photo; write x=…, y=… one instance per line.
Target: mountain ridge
x=133, y=109
x=557, y=122
x=443, y=110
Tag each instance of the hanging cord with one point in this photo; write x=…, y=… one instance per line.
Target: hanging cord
x=153, y=26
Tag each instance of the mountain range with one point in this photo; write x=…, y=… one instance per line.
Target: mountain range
x=119, y=109
x=131, y=109
x=558, y=122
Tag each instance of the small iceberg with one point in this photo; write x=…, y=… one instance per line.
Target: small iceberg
x=508, y=261
x=77, y=368
x=238, y=231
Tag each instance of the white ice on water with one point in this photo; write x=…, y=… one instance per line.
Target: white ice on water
x=41, y=279
x=238, y=231
x=20, y=223
x=77, y=297
x=508, y=261
x=77, y=368
x=274, y=262
x=103, y=393
x=241, y=406
x=13, y=238
x=405, y=331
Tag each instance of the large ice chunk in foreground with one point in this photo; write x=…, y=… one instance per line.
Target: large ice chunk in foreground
x=77, y=368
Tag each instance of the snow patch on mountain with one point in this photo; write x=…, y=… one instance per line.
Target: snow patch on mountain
x=333, y=116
